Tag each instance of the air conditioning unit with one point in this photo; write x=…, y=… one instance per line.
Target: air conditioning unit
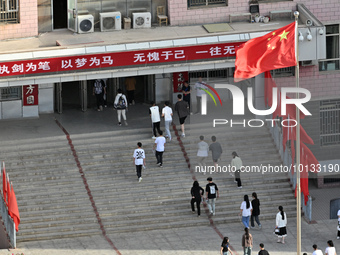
x=141, y=19
x=85, y=24
x=309, y=63
x=110, y=21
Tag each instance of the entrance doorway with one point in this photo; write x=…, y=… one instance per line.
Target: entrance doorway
x=59, y=14
x=78, y=95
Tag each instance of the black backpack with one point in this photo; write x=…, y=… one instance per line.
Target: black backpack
x=121, y=103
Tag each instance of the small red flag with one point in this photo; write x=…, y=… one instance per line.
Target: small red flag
x=13, y=209
x=8, y=190
x=4, y=183
x=271, y=51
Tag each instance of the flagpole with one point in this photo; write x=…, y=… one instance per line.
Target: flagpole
x=298, y=187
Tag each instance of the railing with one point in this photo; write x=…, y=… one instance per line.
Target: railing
x=8, y=223
x=9, y=11
x=287, y=161
x=195, y=3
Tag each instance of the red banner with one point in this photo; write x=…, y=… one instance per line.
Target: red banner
x=117, y=59
x=30, y=95
x=178, y=80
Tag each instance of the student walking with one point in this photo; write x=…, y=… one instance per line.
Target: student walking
x=202, y=152
x=247, y=242
x=216, y=150
x=197, y=193
x=237, y=165
x=330, y=250
x=159, y=146
x=281, y=223
x=120, y=104
x=139, y=159
x=155, y=119
x=99, y=90
x=262, y=250
x=225, y=249
x=338, y=236
x=246, y=210
x=316, y=250
x=186, y=93
x=182, y=109
x=255, y=203
x=212, y=193
x=167, y=115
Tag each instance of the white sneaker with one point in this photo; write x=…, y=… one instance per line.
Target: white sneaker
x=154, y=137
x=338, y=237
x=183, y=135
x=140, y=179
x=240, y=187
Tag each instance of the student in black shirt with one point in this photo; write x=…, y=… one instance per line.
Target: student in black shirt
x=196, y=193
x=262, y=250
x=255, y=203
x=225, y=249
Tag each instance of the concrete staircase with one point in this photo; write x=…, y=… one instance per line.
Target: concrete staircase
x=54, y=203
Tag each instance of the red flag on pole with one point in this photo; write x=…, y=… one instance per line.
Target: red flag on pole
x=4, y=182
x=13, y=209
x=8, y=190
x=271, y=51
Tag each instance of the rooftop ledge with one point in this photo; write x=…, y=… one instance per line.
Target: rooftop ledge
x=133, y=39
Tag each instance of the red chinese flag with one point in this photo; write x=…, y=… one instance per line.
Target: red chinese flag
x=9, y=190
x=4, y=183
x=13, y=209
x=271, y=51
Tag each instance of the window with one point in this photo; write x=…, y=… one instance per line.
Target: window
x=11, y=93
x=201, y=3
x=283, y=72
x=329, y=122
x=332, y=49
x=9, y=11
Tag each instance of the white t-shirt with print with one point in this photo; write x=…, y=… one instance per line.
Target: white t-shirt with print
x=246, y=212
x=139, y=155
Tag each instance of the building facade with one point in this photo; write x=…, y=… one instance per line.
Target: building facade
x=35, y=63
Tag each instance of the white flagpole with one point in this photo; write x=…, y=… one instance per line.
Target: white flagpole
x=297, y=168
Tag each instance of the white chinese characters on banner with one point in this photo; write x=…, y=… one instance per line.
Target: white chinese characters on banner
x=30, y=95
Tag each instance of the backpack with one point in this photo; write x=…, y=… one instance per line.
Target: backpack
x=121, y=104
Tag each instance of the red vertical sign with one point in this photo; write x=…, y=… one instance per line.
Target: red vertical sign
x=178, y=81
x=30, y=95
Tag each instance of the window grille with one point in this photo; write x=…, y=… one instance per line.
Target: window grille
x=332, y=61
x=11, y=93
x=9, y=11
x=329, y=122
x=200, y=3
x=284, y=72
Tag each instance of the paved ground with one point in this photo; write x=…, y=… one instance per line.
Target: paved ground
x=183, y=241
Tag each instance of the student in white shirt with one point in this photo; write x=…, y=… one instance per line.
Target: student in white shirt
x=139, y=159
x=167, y=114
x=246, y=210
x=316, y=250
x=155, y=119
x=281, y=223
x=159, y=146
x=202, y=151
x=330, y=250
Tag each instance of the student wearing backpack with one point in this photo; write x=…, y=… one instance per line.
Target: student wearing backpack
x=99, y=90
x=120, y=104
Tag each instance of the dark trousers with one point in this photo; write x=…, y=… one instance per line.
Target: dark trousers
x=198, y=202
x=139, y=170
x=131, y=96
x=100, y=99
x=156, y=125
x=256, y=217
x=238, y=178
x=159, y=157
